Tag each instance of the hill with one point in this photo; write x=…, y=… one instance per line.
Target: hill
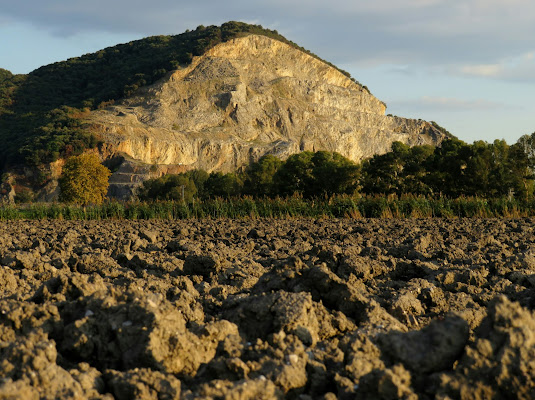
x=215, y=97
x=32, y=106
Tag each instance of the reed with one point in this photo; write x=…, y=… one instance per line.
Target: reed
x=343, y=206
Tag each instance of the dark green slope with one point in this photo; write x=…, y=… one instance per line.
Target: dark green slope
x=38, y=111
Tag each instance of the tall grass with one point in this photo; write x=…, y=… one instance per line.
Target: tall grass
x=406, y=206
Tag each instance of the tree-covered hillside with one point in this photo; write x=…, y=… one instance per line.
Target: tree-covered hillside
x=38, y=111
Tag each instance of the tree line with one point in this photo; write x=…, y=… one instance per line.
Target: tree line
x=309, y=174
x=456, y=169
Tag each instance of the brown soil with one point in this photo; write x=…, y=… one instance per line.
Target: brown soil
x=263, y=309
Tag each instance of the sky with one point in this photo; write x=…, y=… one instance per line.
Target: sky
x=468, y=65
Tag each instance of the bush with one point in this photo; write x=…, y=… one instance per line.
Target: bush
x=84, y=180
x=184, y=186
x=24, y=195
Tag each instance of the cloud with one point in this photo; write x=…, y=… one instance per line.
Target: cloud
x=394, y=31
x=488, y=71
x=68, y=17
x=449, y=104
x=520, y=69
x=401, y=70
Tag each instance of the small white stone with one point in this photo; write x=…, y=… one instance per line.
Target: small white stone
x=293, y=358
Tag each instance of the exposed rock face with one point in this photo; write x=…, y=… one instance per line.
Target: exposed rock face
x=248, y=97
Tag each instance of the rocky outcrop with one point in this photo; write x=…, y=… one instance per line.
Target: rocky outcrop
x=247, y=97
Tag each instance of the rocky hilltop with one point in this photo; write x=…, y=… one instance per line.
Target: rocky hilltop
x=242, y=99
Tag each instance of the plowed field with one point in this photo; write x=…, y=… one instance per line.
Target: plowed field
x=262, y=309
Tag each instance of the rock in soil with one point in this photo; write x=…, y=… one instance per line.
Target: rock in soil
x=268, y=309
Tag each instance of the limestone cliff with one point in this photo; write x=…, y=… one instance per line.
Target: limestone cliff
x=242, y=99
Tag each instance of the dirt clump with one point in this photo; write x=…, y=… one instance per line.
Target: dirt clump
x=267, y=309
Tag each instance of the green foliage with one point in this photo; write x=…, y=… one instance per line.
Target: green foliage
x=5, y=76
x=8, y=83
x=189, y=185
x=199, y=178
x=526, y=144
x=259, y=176
x=317, y=175
x=181, y=187
x=62, y=136
x=305, y=174
x=342, y=206
x=84, y=180
x=455, y=169
x=481, y=169
x=24, y=195
x=295, y=175
x=223, y=185
x=169, y=187
x=402, y=170
x=333, y=174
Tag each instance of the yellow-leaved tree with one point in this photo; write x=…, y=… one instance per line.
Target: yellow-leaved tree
x=84, y=180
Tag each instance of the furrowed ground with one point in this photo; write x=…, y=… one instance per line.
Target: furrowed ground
x=263, y=308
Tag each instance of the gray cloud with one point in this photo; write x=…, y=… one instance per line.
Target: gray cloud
x=359, y=32
x=514, y=69
x=449, y=104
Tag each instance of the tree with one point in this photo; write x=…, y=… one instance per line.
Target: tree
x=333, y=174
x=259, y=176
x=168, y=187
x=416, y=171
x=521, y=171
x=447, y=167
x=185, y=186
x=295, y=175
x=383, y=173
x=317, y=174
x=84, y=180
x=223, y=185
x=527, y=143
x=182, y=188
x=199, y=177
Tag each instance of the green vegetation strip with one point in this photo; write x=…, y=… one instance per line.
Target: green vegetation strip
x=291, y=207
